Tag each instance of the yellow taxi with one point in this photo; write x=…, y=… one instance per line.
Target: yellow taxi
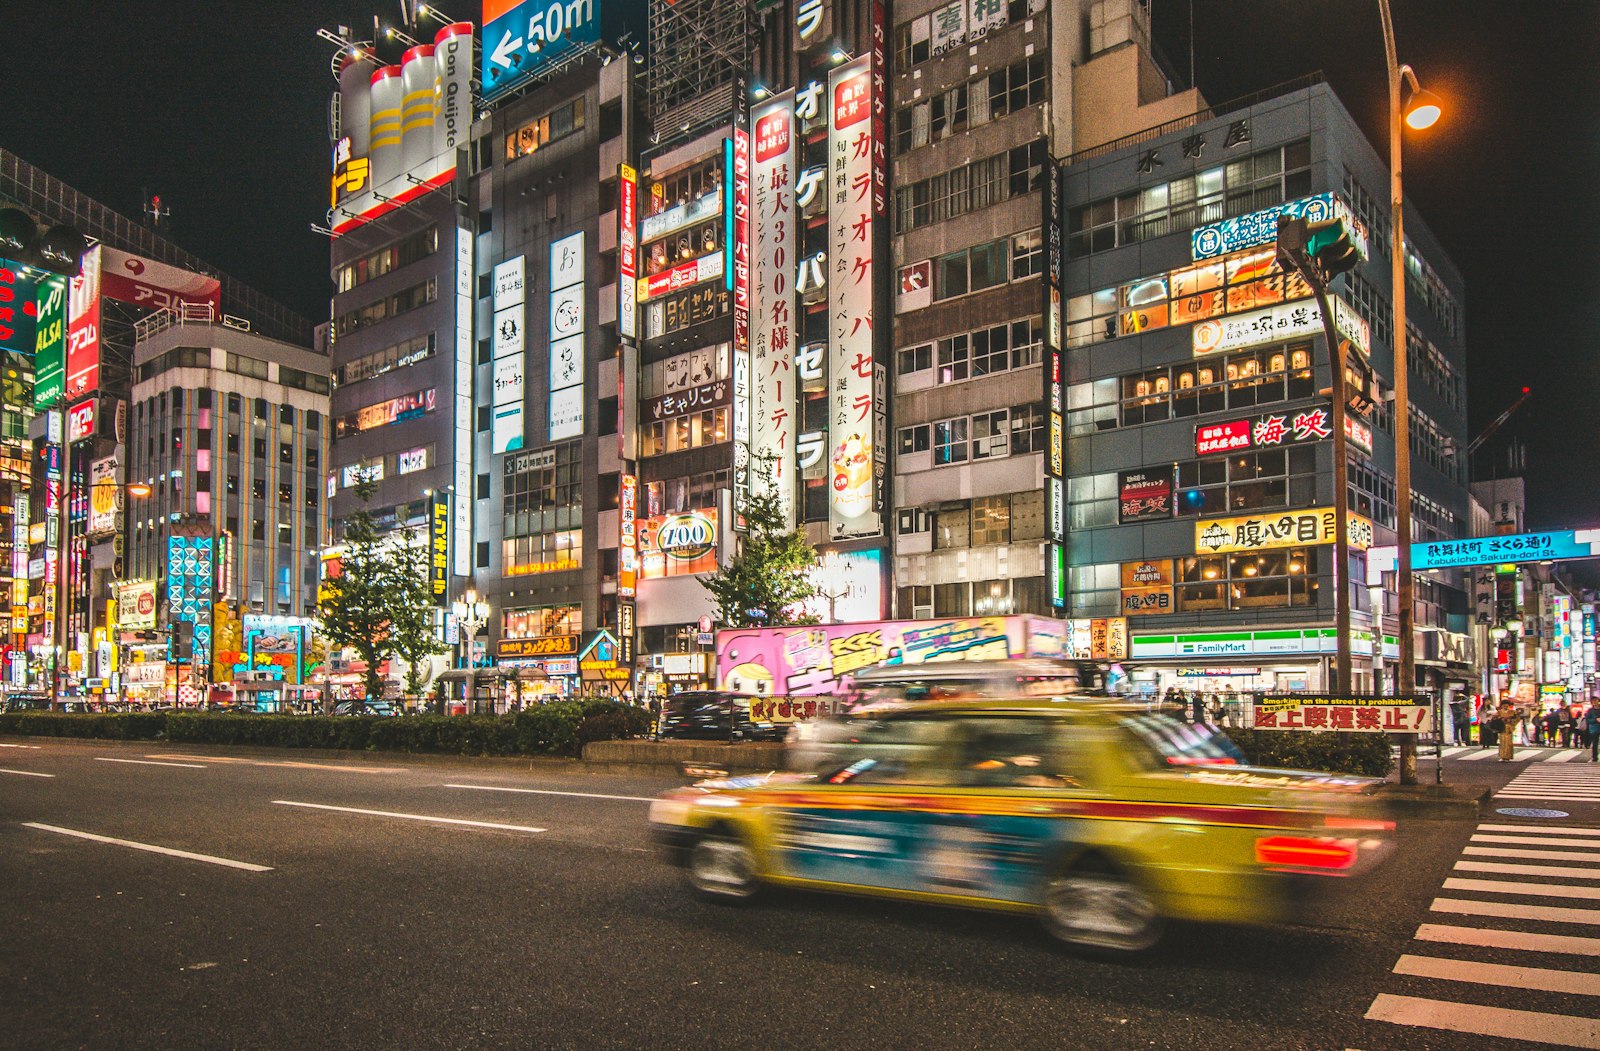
x=1103, y=819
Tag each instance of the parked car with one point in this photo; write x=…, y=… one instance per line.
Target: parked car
x=368, y=708
x=1101, y=818
x=713, y=715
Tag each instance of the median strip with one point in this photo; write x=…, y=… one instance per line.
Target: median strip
x=149, y=847
x=553, y=792
x=410, y=817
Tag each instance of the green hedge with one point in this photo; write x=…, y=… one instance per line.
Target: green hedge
x=561, y=728
x=1367, y=754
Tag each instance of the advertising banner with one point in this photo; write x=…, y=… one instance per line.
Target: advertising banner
x=1261, y=228
x=772, y=310
x=679, y=544
x=567, y=319
x=439, y=548
x=19, y=309
x=1269, y=431
x=1362, y=713
x=1144, y=495
x=524, y=38
x=1054, y=388
x=628, y=538
x=1310, y=527
x=136, y=605
x=853, y=460
x=1147, y=587
x=190, y=577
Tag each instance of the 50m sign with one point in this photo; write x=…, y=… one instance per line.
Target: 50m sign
x=521, y=39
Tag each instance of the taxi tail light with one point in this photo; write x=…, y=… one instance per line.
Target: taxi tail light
x=1306, y=853
x=1364, y=824
x=1201, y=760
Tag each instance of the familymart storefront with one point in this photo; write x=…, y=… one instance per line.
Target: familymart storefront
x=1272, y=660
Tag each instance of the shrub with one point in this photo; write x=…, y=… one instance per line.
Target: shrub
x=1367, y=754
x=559, y=728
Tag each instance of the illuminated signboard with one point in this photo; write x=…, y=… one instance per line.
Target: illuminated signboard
x=190, y=577
x=678, y=544
x=676, y=218
x=1285, y=321
x=627, y=251
x=397, y=410
x=1215, y=536
x=439, y=548
x=466, y=362
x=682, y=276
x=19, y=309
x=1268, y=431
x=1261, y=228
x=1496, y=550
x=543, y=646
x=50, y=363
x=1144, y=495
x=1147, y=587
x=508, y=343
x=771, y=230
x=105, y=497
x=80, y=421
x=628, y=536
x=567, y=317
x=136, y=605
x=1054, y=389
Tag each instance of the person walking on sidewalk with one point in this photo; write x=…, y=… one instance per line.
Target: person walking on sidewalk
x=1591, y=729
x=1504, y=724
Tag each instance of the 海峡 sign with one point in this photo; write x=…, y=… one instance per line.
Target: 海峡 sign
x=1310, y=527
x=1144, y=495
x=1360, y=713
x=1268, y=431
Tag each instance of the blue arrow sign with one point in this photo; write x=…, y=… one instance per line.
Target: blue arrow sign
x=531, y=37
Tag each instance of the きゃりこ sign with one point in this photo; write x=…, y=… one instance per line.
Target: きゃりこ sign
x=1358, y=713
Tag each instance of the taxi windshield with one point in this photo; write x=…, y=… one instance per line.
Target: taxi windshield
x=1170, y=742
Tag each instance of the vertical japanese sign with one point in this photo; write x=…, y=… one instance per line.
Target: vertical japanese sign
x=190, y=576
x=628, y=537
x=509, y=346
x=772, y=305
x=439, y=548
x=1054, y=391
x=50, y=343
x=461, y=528
x=567, y=317
x=736, y=274
x=83, y=328
x=627, y=252
x=851, y=224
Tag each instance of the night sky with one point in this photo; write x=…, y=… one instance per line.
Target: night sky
x=222, y=110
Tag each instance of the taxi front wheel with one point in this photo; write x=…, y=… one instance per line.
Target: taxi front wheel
x=1092, y=906
x=722, y=867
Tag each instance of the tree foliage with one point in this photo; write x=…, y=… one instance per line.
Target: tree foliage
x=771, y=575
x=380, y=605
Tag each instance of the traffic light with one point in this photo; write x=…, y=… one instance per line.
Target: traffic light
x=1328, y=242
x=183, y=641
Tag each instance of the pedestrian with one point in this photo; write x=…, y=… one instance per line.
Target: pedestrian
x=1197, y=708
x=1504, y=724
x=1564, y=722
x=1462, y=720
x=1591, y=730
x=1552, y=726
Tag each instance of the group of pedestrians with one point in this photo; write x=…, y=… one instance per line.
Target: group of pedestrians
x=1566, y=726
x=1215, y=709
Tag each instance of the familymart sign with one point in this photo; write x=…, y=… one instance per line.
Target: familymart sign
x=1286, y=642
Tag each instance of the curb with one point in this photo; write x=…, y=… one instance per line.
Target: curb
x=1458, y=802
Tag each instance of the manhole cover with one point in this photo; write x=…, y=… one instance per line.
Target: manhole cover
x=1518, y=811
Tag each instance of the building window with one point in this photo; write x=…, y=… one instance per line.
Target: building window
x=1279, y=577
x=542, y=622
x=540, y=132
x=678, y=433
x=969, y=187
x=1249, y=184
x=950, y=441
x=1259, y=481
x=392, y=257
x=388, y=307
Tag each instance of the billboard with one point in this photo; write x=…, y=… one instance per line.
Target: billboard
x=627, y=251
x=190, y=577
x=1144, y=495
x=1054, y=388
x=567, y=320
x=854, y=466
x=679, y=544
x=461, y=524
x=157, y=286
x=1147, y=587
x=439, y=548
x=105, y=497
x=1352, y=713
x=136, y=605
x=83, y=328
x=1261, y=228
x=771, y=235
x=820, y=659
x=509, y=344
x=1296, y=320
x=1268, y=431
x=399, y=127
x=19, y=308
x=523, y=39
x=50, y=343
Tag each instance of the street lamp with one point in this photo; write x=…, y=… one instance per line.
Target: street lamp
x=1422, y=110
x=472, y=613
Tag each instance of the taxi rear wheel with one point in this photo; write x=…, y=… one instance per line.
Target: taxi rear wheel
x=1093, y=906
x=723, y=867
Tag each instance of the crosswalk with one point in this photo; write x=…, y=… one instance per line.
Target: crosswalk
x=1524, y=753
x=1565, y=784
x=1512, y=952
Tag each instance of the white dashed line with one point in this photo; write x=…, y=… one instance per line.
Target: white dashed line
x=150, y=848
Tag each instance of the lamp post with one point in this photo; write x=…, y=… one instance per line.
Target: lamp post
x=1421, y=111
x=472, y=613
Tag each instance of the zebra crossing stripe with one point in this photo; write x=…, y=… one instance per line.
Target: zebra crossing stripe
x=1488, y=1021
x=1498, y=974
x=1492, y=938
x=1562, y=871
x=1516, y=911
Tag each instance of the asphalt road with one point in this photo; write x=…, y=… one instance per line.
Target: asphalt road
x=544, y=918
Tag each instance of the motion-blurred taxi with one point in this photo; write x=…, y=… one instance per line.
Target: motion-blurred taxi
x=1103, y=819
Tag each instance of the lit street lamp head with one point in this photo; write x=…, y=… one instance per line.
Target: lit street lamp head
x=1423, y=110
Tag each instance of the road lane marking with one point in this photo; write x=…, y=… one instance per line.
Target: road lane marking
x=1491, y=938
x=1500, y=975
x=290, y=763
x=150, y=847
x=1488, y=1021
x=1514, y=911
x=411, y=817
x=25, y=773
x=1534, y=841
x=1537, y=890
x=1551, y=797
x=1480, y=753
x=1563, y=871
x=150, y=762
x=1549, y=830
x=35, y=747
x=553, y=792
x=1546, y=855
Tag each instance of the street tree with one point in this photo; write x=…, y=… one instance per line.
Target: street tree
x=773, y=573
x=379, y=604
